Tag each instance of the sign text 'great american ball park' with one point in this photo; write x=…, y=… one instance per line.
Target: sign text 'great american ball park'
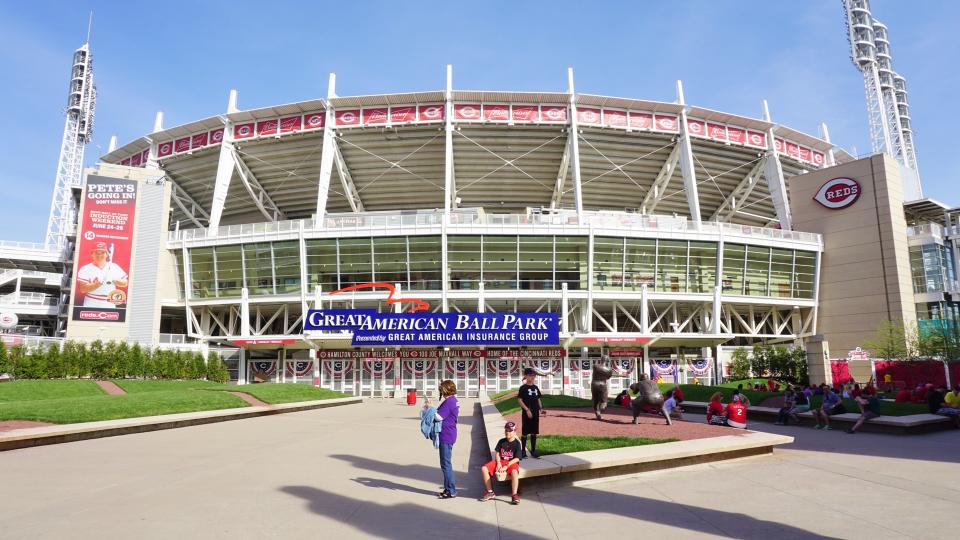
x=418, y=327
x=838, y=193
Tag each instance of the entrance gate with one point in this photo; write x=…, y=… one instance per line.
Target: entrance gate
x=376, y=377
x=422, y=375
x=338, y=375
x=465, y=372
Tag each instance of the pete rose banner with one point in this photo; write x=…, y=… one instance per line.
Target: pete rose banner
x=103, y=251
x=372, y=328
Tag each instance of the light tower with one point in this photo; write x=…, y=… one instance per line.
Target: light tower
x=887, y=108
x=77, y=130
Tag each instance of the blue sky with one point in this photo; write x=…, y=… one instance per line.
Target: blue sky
x=183, y=58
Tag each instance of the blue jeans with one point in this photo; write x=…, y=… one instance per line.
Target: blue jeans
x=446, y=453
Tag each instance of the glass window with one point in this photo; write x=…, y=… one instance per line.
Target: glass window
x=734, y=256
x=286, y=265
x=640, y=264
x=390, y=259
x=607, y=263
x=672, y=266
x=500, y=262
x=702, y=267
x=229, y=270
x=178, y=271
x=757, y=276
x=536, y=262
x=804, y=274
x=571, y=261
x=355, y=264
x=426, y=263
x=781, y=272
x=202, y=273
x=322, y=265
x=463, y=255
x=259, y=263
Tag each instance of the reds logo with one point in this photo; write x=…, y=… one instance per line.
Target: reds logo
x=244, y=131
x=347, y=117
x=90, y=235
x=165, y=148
x=432, y=112
x=838, y=193
x=554, y=113
x=756, y=139
x=666, y=123
x=589, y=117
x=695, y=127
x=469, y=112
x=216, y=136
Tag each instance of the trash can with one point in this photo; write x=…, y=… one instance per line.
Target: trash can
x=411, y=396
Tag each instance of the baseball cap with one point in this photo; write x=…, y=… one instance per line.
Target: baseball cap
x=100, y=246
x=529, y=371
x=510, y=426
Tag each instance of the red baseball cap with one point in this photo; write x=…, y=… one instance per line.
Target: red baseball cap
x=99, y=246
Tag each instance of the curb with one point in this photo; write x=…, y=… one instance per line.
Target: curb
x=615, y=463
x=41, y=436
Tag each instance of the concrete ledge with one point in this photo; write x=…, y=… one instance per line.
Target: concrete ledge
x=565, y=469
x=40, y=436
x=912, y=424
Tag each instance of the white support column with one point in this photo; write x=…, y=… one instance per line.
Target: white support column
x=244, y=312
x=242, y=366
x=831, y=154
x=574, y=138
x=587, y=313
x=481, y=298
x=564, y=308
x=303, y=278
x=644, y=310
x=449, y=189
x=445, y=261
x=773, y=172
x=715, y=315
x=225, y=168
x=327, y=153
x=687, y=168
x=280, y=374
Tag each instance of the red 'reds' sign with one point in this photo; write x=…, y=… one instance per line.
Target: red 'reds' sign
x=838, y=193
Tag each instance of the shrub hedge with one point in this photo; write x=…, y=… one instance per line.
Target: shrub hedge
x=108, y=360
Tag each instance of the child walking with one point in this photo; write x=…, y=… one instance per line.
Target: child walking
x=529, y=398
x=507, y=463
x=448, y=410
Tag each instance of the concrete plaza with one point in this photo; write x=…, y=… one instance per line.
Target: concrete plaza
x=365, y=471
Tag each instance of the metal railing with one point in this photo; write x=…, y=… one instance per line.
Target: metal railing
x=932, y=229
x=28, y=299
x=397, y=221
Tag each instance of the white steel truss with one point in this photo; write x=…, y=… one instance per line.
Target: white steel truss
x=740, y=194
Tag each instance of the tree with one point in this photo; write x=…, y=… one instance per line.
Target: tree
x=889, y=341
x=5, y=366
x=740, y=364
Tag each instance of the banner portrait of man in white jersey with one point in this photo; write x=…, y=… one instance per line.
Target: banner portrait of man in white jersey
x=101, y=281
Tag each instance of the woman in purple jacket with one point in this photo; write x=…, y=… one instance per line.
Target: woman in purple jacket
x=448, y=410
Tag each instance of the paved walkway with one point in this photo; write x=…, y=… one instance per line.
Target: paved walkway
x=365, y=471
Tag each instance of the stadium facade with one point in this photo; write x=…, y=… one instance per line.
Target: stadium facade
x=659, y=234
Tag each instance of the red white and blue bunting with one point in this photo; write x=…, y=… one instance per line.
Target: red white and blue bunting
x=662, y=366
x=419, y=367
x=300, y=367
x=622, y=366
x=545, y=367
x=338, y=368
x=700, y=366
x=461, y=368
x=377, y=367
x=581, y=365
x=266, y=367
x=503, y=367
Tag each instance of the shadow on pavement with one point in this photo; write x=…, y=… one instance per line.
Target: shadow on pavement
x=387, y=484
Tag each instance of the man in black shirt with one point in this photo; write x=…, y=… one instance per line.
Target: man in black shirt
x=529, y=399
x=506, y=462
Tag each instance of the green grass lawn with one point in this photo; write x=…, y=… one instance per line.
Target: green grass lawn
x=132, y=386
x=511, y=405
x=887, y=408
x=274, y=393
x=698, y=392
x=564, y=444
x=748, y=383
x=103, y=407
x=28, y=390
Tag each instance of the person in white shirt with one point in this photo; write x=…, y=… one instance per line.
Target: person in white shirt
x=100, y=277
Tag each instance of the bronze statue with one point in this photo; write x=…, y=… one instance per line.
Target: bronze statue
x=598, y=385
x=648, y=395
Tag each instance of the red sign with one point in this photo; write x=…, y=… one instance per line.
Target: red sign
x=588, y=116
x=430, y=113
x=665, y=123
x=181, y=145
x=615, y=118
x=641, y=120
x=838, y=193
x=290, y=124
x=553, y=113
x=617, y=339
x=696, y=128
x=126, y=162
x=199, y=140
x=793, y=150
x=779, y=145
x=243, y=131
x=804, y=154
x=375, y=116
x=626, y=352
x=145, y=156
x=164, y=149
x=105, y=243
x=496, y=113
x=314, y=120
x=525, y=113
x=216, y=136
x=817, y=157
x=717, y=132
x=406, y=113
x=757, y=138
x=736, y=135
x=347, y=118
x=281, y=341
x=137, y=158
x=463, y=111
